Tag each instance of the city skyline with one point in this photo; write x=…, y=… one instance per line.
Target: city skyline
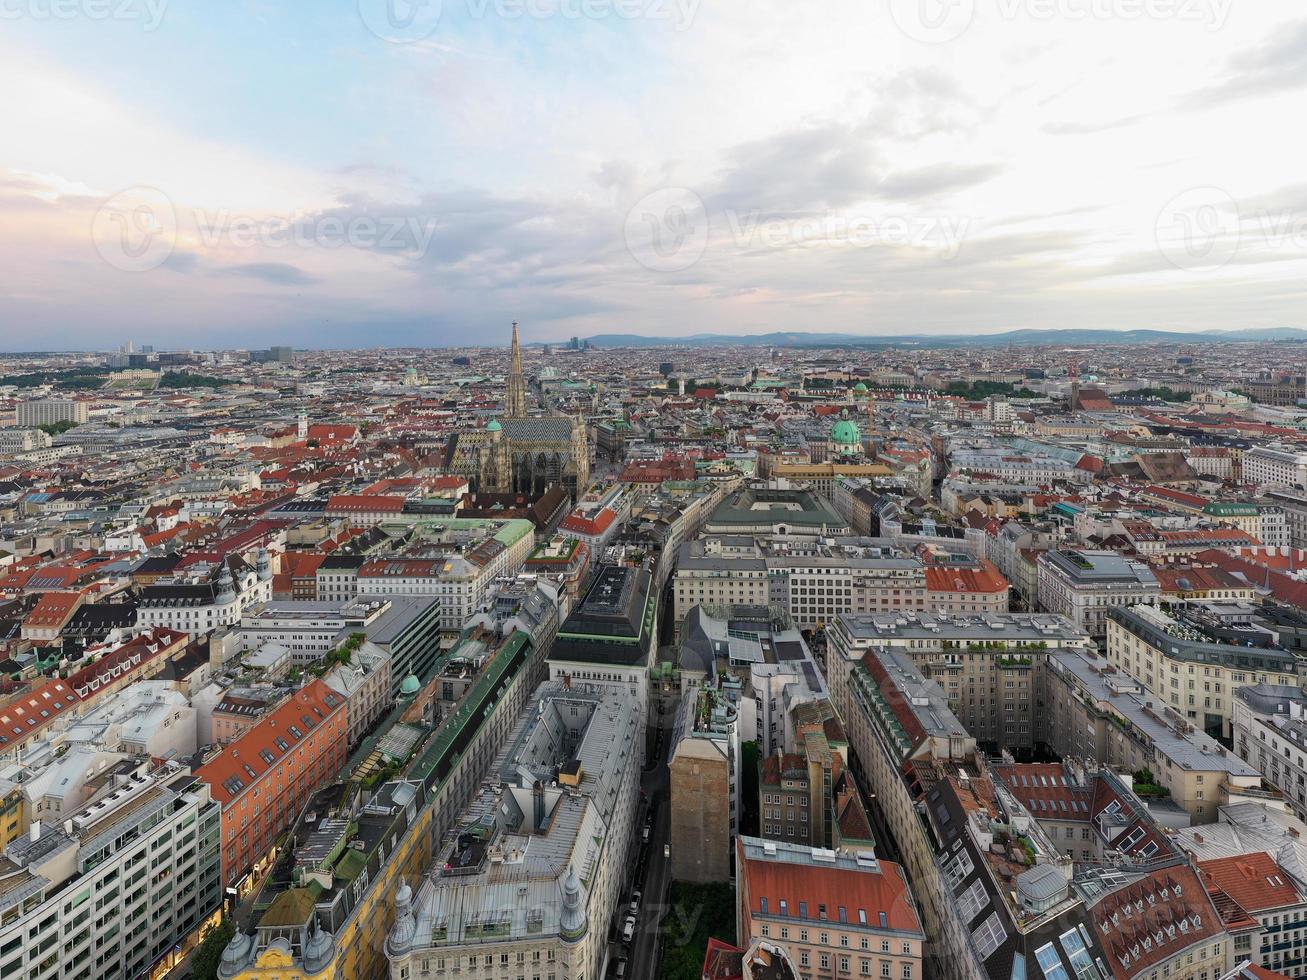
x=344, y=178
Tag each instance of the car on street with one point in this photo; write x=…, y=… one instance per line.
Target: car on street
x=628, y=930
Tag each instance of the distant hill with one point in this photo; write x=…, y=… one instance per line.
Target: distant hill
x=1027, y=338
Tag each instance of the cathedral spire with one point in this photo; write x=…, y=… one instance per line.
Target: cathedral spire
x=515, y=399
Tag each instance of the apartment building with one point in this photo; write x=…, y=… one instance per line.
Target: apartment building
x=264, y=777
x=118, y=883
x=50, y=411
x=1084, y=585
x=758, y=662
x=559, y=802
x=205, y=598
x=816, y=581
x=1270, y=732
x=835, y=915
x=608, y=640
x=1275, y=466
x=337, y=924
x=1267, y=893
x=1094, y=711
x=989, y=668
x=704, y=777
x=1195, y=656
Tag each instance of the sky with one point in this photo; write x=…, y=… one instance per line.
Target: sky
x=363, y=173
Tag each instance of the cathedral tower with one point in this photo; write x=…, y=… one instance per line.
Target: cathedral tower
x=515, y=398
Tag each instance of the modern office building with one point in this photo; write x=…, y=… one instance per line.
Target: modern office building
x=609, y=639
x=113, y=887
x=50, y=411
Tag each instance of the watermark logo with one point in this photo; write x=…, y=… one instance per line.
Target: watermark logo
x=135, y=230
x=671, y=229
x=138, y=229
x=149, y=13
x=1199, y=229
x=401, y=21
x=405, y=21
x=942, y=21
x=667, y=231
x=933, y=21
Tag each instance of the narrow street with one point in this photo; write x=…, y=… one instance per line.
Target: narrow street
x=652, y=876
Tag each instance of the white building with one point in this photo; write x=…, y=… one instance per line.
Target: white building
x=532, y=878
x=1084, y=585
x=1275, y=466
x=204, y=599
x=114, y=887
x=1270, y=732
x=50, y=411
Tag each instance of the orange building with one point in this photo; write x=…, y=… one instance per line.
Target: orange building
x=265, y=777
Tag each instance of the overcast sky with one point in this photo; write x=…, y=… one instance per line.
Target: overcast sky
x=368, y=173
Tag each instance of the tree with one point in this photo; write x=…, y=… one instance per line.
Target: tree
x=208, y=955
x=696, y=913
x=57, y=428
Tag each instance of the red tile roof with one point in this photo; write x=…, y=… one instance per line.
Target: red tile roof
x=362, y=503
x=858, y=891
x=27, y=714
x=1253, y=880
x=1043, y=789
x=953, y=578
x=601, y=522
x=125, y=660
x=1153, y=919
x=53, y=609
x=240, y=764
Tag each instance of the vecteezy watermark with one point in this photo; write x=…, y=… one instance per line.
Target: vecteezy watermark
x=941, y=21
x=404, y=21
x=1199, y=229
x=667, y=231
x=406, y=234
x=401, y=21
x=671, y=229
x=940, y=233
x=1206, y=228
x=148, y=12
x=138, y=229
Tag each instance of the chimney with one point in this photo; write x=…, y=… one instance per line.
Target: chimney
x=36, y=830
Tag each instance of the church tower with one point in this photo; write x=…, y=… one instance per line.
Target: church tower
x=515, y=398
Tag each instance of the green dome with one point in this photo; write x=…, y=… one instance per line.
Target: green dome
x=859, y=387
x=845, y=433
x=494, y=426
x=410, y=686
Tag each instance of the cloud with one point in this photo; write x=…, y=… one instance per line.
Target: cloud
x=936, y=181
x=277, y=273
x=1276, y=65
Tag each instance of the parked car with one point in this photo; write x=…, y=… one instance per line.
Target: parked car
x=628, y=930
x=644, y=835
